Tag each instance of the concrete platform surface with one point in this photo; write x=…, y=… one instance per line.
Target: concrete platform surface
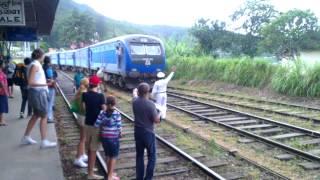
x=26, y=162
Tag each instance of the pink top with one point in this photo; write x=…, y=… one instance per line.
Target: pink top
x=4, y=83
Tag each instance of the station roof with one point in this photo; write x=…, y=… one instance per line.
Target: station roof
x=39, y=18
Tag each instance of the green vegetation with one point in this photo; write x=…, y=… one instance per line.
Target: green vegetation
x=72, y=20
x=296, y=79
x=244, y=72
x=262, y=31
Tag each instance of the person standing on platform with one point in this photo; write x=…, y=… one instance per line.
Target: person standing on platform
x=145, y=116
x=93, y=102
x=20, y=79
x=159, y=92
x=38, y=99
x=10, y=72
x=3, y=94
x=76, y=107
x=49, y=72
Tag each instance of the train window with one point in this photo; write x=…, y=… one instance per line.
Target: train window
x=145, y=49
x=153, y=50
x=137, y=49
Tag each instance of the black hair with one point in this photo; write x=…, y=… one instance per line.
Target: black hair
x=143, y=89
x=47, y=60
x=1, y=64
x=37, y=53
x=27, y=61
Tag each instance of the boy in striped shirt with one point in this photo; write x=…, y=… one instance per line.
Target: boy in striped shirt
x=109, y=122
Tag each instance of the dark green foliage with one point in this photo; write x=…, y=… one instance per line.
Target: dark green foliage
x=213, y=38
x=290, y=32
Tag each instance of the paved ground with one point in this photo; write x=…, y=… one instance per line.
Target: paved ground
x=26, y=162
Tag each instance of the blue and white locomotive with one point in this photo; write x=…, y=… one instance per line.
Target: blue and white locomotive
x=125, y=61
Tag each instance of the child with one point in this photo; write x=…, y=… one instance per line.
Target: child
x=3, y=95
x=109, y=122
x=81, y=158
x=93, y=102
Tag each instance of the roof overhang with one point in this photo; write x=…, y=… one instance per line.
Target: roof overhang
x=39, y=17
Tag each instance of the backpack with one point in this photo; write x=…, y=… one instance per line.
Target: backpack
x=20, y=75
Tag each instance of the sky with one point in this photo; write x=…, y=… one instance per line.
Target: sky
x=182, y=12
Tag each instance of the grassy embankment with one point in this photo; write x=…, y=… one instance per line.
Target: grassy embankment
x=296, y=79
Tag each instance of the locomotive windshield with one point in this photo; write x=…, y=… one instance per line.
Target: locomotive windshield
x=145, y=49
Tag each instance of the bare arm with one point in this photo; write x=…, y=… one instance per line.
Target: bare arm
x=167, y=79
x=157, y=119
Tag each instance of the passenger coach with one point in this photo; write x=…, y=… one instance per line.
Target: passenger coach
x=125, y=61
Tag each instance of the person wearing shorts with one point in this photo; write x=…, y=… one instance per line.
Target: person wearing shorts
x=81, y=157
x=38, y=99
x=109, y=122
x=93, y=102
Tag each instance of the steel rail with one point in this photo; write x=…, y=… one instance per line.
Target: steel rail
x=298, y=152
x=248, y=98
x=200, y=165
x=252, y=107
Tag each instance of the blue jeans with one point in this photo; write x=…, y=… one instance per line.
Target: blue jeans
x=51, y=98
x=145, y=140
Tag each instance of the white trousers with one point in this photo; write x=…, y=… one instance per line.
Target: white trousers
x=161, y=104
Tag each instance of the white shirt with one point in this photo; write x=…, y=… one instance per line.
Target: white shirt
x=40, y=77
x=160, y=86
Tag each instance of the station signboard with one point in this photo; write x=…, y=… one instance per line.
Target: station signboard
x=12, y=13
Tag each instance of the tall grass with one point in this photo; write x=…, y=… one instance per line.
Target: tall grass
x=244, y=72
x=296, y=80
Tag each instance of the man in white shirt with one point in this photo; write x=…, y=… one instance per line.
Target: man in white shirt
x=159, y=92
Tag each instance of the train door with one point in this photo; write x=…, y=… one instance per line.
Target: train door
x=120, y=55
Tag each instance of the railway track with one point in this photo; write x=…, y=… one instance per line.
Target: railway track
x=172, y=162
x=296, y=141
x=306, y=113
x=228, y=169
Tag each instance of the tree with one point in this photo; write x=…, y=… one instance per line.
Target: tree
x=253, y=16
x=212, y=35
x=78, y=28
x=287, y=34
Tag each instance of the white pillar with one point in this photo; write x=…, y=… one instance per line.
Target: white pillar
x=25, y=49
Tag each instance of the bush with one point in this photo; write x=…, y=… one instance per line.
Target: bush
x=296, y=79
x=244, y=72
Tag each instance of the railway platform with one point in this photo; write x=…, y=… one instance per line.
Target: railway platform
x=26, y=162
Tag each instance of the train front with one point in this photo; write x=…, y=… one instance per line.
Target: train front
x=146, y=59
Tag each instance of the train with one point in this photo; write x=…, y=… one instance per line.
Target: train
x=125, y=61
